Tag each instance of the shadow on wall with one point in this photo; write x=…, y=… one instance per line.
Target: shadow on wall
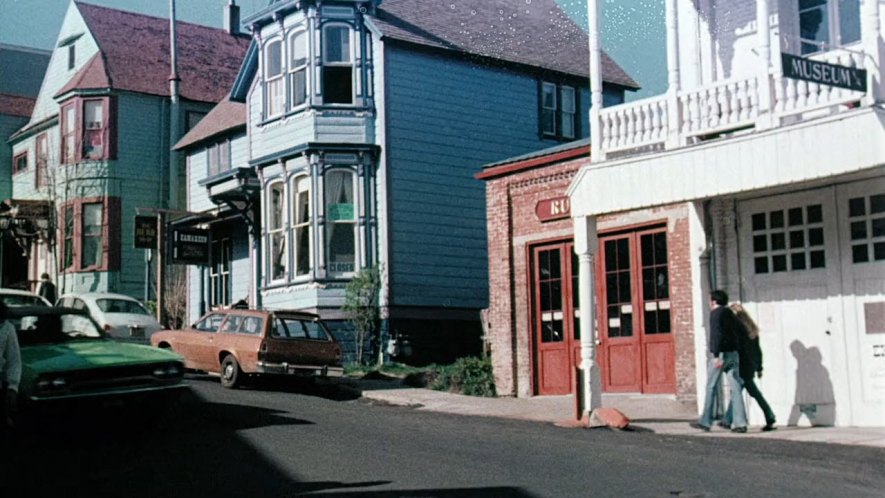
x=815, y=398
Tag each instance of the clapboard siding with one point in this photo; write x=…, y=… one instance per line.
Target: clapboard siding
x=8, y=126
x=440, y=131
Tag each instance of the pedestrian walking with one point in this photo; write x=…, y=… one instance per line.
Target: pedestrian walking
x=751, y=365
x=46, y=289
x=10, y=369
x=725, y=360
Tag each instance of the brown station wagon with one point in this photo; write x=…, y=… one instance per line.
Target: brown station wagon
x=240, y=342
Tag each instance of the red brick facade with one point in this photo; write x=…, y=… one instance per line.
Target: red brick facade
x=513, y=227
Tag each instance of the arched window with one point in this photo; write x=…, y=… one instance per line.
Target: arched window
x=298, y=80
x=275, y=98
x=301, y=223
x=337, y=64
x=276, y=231
x=340, y=210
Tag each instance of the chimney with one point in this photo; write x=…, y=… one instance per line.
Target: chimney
x=232, y=18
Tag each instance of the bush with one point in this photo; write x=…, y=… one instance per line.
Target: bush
x=470, y=376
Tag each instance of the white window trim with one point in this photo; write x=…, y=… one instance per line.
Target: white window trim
x=834, y=30
x=292, y=70
x=349, y=63
x=271, y=232
x=279, y=80
x=353, y=223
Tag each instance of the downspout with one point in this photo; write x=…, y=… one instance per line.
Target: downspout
x=174, y=112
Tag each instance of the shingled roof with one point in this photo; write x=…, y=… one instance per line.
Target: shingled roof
x=16, y=105
x=536, y=33
x=227, y=115
x=135, y=55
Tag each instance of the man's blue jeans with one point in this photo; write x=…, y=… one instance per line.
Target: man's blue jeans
x=729, y=368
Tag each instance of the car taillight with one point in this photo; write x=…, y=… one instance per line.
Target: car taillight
x=337, y=352
x=107, y=328
x=262, y=350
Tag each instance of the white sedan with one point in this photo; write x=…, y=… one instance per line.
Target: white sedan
x=122, y=317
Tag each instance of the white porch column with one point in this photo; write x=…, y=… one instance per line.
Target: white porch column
x=593, y=14
x=586, y=244
x=871, y=34
x=763, y=32
x=674, y=113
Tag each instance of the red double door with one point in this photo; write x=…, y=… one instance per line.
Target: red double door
x=636, y=351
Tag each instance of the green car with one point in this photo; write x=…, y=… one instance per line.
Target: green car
x=65, y=356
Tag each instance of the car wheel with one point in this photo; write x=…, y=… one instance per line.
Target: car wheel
x=231, y=374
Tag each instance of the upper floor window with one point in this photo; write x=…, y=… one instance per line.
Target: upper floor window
x=301, y=223
x=298, y=68
x=219, y=157
x=340, y=222
x=20, y=163
x=273, y=78
x=42, y=160
x=827, y=23
x=276, y=231
x=86, y=131
x=337, y=64
x=72, y=56
x=219, y=273
x=558, y=111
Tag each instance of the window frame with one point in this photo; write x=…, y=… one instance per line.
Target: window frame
x=331, y=224
x=71, y=235
x=221, y=254
x=298, y=224
x=222, y=158
x=292, y=69
x=279, y=231
x=557, y=113
x=274, y=107
x=834, y=26
x=41, y=160
x=74, y=136
x=330, y=67
x=16, y=159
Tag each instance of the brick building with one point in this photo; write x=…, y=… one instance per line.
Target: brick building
x=534, y=317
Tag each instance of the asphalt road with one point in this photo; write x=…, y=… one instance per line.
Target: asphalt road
x=279, y=440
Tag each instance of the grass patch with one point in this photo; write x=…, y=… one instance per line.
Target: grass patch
x=470, y=376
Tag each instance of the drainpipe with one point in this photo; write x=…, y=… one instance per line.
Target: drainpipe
x=175, y=111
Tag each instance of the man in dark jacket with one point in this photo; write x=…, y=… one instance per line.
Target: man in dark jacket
x=724, y=346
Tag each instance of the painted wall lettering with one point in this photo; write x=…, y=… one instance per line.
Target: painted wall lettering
x=556, y=208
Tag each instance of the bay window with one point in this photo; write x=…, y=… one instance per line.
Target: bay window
x=90, y=234
x=273, y=78
x=824, y=24
x=276, y=231
x=337, y=64
x=86, y=131
x=340, y=222
x=301, y=221
x=298, y=68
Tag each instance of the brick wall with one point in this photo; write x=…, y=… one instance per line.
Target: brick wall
x=513, y=227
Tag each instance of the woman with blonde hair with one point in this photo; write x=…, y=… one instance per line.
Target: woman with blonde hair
x=750, y=364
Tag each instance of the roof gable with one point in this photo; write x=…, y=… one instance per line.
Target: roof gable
x=135, y=49
x=225, y=116
x=91, y=76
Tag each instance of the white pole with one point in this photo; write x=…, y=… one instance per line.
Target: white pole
x=593, y=12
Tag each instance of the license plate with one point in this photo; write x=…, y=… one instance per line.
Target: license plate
x=136, y=332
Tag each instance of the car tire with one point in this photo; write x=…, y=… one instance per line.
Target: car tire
x=231, y=375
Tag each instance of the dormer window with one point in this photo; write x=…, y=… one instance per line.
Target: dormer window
x=298, y=68
x=72, y=56
x=824, y=24
x=273, y=78
x=337, y=64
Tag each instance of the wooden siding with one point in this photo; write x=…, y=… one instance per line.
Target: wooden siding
x=197, y=166
x=57, y=72
x=8, y=126
x=440, y=131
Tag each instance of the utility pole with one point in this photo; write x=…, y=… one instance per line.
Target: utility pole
x=161, y=261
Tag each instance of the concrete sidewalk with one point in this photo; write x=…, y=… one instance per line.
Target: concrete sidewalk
x=660, y=414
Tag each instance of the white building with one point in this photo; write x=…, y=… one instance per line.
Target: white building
x=772, y=136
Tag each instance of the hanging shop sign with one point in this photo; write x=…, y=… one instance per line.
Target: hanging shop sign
x=145, y=232
x=800, y=68
x=190, y=246
x=556, y=208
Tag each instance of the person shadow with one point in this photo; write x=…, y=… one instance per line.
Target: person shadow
x=815, y=398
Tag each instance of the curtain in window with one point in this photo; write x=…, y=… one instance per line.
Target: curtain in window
x=340, y=216
x=301, y=222
x=91, y=235
x=93, y=129
x=277, y=233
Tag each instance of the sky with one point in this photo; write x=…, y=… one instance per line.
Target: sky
x=632, y=30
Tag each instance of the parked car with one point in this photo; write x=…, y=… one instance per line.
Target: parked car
x=16, y=297
x=65, y=355
x=236, y=343
x=122, y=317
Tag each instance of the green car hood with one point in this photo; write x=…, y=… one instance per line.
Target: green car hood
x=84, y=354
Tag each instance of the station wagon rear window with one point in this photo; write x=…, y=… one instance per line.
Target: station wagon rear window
x=293, y=328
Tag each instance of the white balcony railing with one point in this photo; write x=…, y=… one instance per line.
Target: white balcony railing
x=722, y=107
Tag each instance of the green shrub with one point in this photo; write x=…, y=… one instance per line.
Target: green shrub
x=470, y=376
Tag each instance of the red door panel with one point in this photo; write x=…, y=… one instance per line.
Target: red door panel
x=554, y=318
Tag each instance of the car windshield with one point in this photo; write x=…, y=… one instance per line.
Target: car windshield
x=21, y=300
x=54, y=328
x=121, y=306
